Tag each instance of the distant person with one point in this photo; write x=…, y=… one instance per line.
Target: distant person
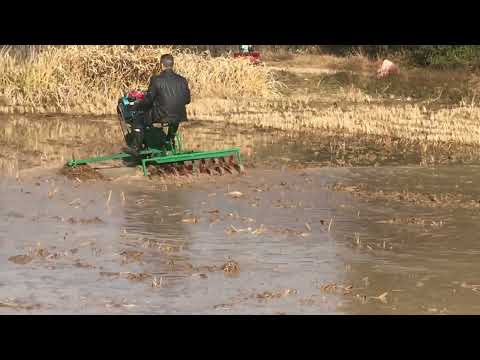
x=164, y=102
x=246, y=48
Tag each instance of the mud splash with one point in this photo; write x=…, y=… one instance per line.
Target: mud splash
x=81, y=173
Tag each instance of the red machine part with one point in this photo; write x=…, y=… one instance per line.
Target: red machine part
x=253, y=56
x=136, y=94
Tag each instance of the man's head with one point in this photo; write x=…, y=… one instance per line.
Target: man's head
x=166, y=61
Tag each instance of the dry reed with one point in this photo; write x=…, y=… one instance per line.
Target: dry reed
x=89, y=79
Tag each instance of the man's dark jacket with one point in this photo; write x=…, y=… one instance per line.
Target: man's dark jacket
x=166, y=98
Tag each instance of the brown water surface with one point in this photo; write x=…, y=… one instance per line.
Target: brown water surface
x=289, y=243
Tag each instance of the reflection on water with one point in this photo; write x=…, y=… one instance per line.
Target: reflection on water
x=185, y=257
x=28, y=141
x=269, y=261
x=156, y=213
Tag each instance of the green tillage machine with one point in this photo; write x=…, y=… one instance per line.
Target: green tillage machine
x=161, y=157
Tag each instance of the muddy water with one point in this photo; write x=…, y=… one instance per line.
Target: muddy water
x=29, y=141
x=427, y=258
x=300, y=247
x=144, y=246
x=281, y=265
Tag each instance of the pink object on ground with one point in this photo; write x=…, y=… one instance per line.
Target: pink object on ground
x=388, y=68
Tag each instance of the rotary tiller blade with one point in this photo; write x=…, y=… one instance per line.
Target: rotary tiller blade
x=217, y=166
x=161, y=171
x=152, y=170
x=225, y=165
x=205, y=166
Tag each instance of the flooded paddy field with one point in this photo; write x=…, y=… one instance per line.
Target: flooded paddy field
x=308, y=230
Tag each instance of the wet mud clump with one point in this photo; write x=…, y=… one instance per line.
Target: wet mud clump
x=20, y=259
x=333, y=288
x=161, y=246
x=17, y=305
x=231, y=268
x=444, y=200
x=95, y=220
x=81, y=172
x=266, y=295
x=130, y=256
x=137, y=276
x=413, y=221
x=82, y=264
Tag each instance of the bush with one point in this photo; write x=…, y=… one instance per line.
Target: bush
x=446, y=55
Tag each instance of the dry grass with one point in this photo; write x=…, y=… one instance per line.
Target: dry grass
x=356, y=62
x=413, y=122
x=89, y=79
